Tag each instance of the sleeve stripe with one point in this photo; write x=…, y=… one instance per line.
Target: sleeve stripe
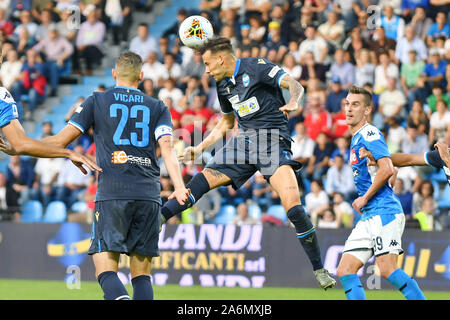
x=76, y=125
x=426, y=158
x=162, y=130
x=281, y=77
x=165, y=134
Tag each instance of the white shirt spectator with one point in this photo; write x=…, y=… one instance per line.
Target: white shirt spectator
x=390, y=100
x=302, y=147
x=175, y=94
x=404, y=46
x=313, y=202
x=407, y=175
x=315, y=46
x=47, y=168
x=9, y=72
x=72, y=175
x=154, y=71
x=440, y=125
x=381, y=76
x=340, y=180
x=143, y=48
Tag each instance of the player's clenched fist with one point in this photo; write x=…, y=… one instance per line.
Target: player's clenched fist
x=189, y=154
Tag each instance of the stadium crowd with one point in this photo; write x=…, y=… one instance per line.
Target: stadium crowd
x=397, y=49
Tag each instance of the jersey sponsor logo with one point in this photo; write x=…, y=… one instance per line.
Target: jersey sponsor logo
x=393, y=243
x=79, y=109
x=247, y=107
x=234, y=99
x=371, y=134
x=15, y=111
x=261, y=61
x=355, y=173
x=353, y=157
x=245, y=80
x=120, y=157
x=274, y=71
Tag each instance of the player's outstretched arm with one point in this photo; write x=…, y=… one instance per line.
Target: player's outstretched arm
x=218, y=132
x=398, y=159
x=21, y=144
x=384, y=173
x=296, y=92
x=443, y=149
x=169, y=156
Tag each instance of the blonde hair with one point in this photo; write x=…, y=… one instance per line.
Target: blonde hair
x=129, y=66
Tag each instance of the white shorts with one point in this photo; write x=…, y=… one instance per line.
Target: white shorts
x=376, y=236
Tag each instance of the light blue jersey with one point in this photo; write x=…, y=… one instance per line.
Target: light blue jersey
x=8, y=108
x=384, y=202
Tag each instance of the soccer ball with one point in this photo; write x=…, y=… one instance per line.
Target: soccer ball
x=195, y=31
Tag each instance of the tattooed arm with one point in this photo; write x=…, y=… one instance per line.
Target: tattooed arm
x=296, y=92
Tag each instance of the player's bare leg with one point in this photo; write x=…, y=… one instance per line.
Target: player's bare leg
x=200, y=184
x=284, y=182
x=106, y=264
x=347, y=273
x=140, y=267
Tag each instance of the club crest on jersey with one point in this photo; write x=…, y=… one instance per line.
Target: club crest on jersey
x=353, y=157
x=245, y=80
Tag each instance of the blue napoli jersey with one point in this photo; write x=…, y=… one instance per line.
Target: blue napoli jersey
x=384, y=201
x=255, y=96
x=8, y=107
x=127, y=125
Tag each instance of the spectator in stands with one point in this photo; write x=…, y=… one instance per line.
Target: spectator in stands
x=243, y=217
x=415, y=141
x=437, y=94
x=426, y=215
x=302, y=146
x=43, y=27
x=257, y=28
x=425, y=191
x=421, y=22
x=311, y=69
x=328, y=220
x=317, y=201
x=291, y=67
x=90, y=39
x=193, y=88
x=345, y=71
x=318, y=163
x=19, y=176
x=386, y=69
x=208, y=206
x=392, y=23
x=118, y=16
x=57, y=50
x=149, y=88
x=10, y=70
x=396, y=134
x=435, y=69
x=439, y=124
x=343, y=211
x=32, y=82
x=71, y=183
x=342, y=149
x=9, y=202
x=339, y=127
x=246, y=47
x=353, y=45
x=197, y=116
x=24, y=42
x=171, y=68
x=419, y=118
x=17, y=7
x=318, y=119
x=6, y=25
x=262, y=192
x=46, y=175
x=169, y=90
x=340, y=179
x=364, y=69
x=332, y=31
x=182, y=14
x=68, y=29
x=315, y=44
x=153, y=69
x=407, y=43
x=381, y=44
x=195, y=68
x=314, y=90
x=410, y=73
x=143, y=43
x=26, y=22
x=274, y=43
x=334, y=98
x=367, y=30
x=405, y=197
x=439, y=28
x=47, y=129
x=391, y=104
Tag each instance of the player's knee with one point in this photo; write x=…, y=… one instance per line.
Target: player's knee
x=386, y=271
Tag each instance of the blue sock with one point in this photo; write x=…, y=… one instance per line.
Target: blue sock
x=406, y=284
x=198, y=185
x=112, y=287
x=306, y=234
x=142, y=288
x=353, y=287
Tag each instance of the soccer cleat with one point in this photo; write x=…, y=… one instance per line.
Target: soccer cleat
x=324, y=278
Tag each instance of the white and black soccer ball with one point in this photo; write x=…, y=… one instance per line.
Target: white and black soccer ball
x=194, y=31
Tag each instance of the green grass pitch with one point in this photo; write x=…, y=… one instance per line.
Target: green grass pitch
x=57, y=290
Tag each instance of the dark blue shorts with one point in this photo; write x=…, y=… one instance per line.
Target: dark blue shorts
x=126, y=226
x=244, y=155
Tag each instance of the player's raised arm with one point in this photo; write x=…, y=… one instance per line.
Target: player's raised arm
x=218, y=132
x=173, y=168
x=296, y=92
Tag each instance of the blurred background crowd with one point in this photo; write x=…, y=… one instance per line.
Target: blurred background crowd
x=397, y=49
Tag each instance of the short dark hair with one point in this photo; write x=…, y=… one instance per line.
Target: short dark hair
x=143, y=24
x=215, y=45
x=367, y=94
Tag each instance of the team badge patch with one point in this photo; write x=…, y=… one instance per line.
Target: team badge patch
x=245, y=80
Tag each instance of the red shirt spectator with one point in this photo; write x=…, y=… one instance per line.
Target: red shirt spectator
x=318, y=120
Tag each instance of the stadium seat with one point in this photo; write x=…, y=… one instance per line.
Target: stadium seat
x=79, y=206
x=277, y=211
x=254, y=211
x=225, y=215
x=31, y=212
x=56, y=212
x=444, y=200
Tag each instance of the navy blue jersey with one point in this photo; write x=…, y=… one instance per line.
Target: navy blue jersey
x=127, y=125
x=255, y=96
x=434, y=159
